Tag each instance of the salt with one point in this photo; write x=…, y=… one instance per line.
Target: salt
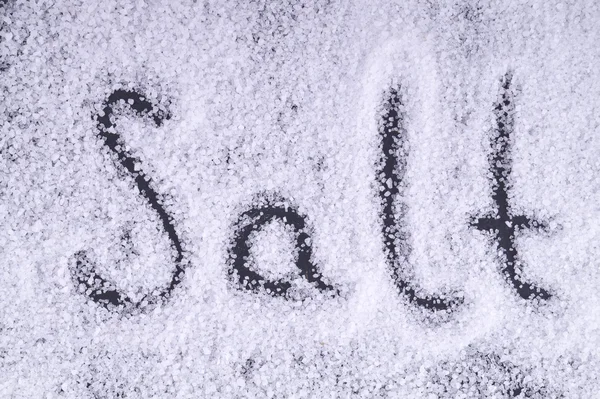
x=119, y=274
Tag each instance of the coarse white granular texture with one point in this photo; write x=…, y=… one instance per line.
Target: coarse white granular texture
x=278, y=106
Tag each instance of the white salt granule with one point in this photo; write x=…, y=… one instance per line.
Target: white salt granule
x=286, y=100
